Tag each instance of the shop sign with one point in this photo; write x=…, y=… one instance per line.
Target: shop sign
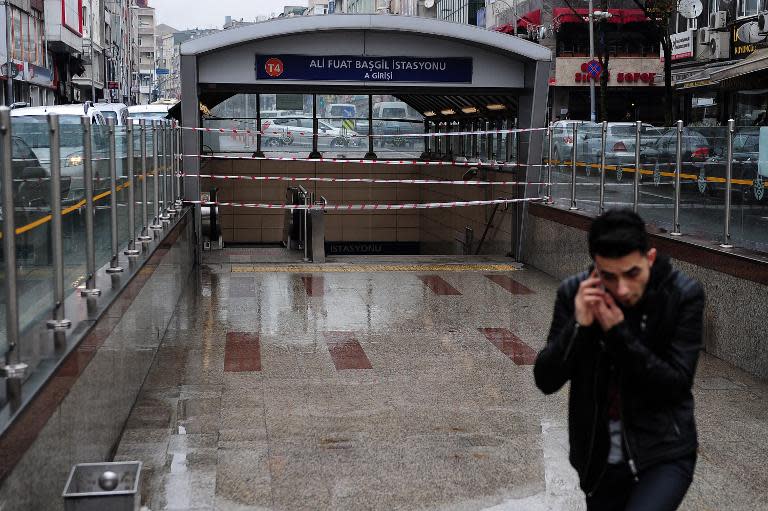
x=745, y=38
x=622, y=72
x=682, y=46
x=39, y=75
x=356, y=68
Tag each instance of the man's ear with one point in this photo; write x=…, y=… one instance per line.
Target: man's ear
x=651, y=255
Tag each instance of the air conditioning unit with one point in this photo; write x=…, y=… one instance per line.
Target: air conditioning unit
x=718, y=20
x=718, y=45
x=702, y=36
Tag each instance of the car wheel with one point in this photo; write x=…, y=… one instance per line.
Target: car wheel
x=273, y=142
x=758, y=187
x=701, y=181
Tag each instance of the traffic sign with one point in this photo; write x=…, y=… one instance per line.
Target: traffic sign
x=594, y=68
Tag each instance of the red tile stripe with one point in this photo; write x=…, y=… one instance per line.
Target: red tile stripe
x=509, y=344
x=315, y=286
x=510, y=284
x=242, y=352
x=346, y=351
x=438, y=285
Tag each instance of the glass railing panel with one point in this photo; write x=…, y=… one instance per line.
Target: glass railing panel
x=749, y=197
x=657, y=177
x=121, y=185
x=102, y=180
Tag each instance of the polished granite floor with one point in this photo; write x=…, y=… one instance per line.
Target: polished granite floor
x=388, y=389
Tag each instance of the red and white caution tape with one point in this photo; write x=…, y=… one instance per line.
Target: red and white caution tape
x=282, y=131
x=367, y=207
x=293, y=179
x=426, y=163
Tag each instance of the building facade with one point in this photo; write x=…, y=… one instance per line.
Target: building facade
x=720, y=69
x=26, y=68
x=146, y=54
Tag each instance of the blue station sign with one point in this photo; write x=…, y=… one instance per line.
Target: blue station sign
x=354, y=68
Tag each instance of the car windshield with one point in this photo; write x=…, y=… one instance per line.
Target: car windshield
x=31, y=128
x=623, y=131
x=109, y=114
x=393, y=113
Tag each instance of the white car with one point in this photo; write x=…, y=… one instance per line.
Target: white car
x=31, y=125
x=148, y=112
x=286, y=130
x=116, y=111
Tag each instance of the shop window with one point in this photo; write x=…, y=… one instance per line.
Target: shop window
x=748, y=8
x=705, y=110
x=751, y=108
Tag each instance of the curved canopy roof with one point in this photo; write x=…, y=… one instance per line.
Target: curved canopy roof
x=468, y=34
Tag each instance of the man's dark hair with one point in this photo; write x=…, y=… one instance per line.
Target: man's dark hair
x=617, y=233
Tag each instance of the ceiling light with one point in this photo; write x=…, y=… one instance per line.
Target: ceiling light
x=429, y=114
x=496, y=106
x=469, y=110
x=448, y=111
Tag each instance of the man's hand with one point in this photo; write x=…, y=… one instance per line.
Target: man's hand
x=590, y=294
x=607, y=313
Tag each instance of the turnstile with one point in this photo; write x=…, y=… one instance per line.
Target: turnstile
x=303, y=228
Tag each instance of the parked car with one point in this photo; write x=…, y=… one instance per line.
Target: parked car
x=562, y=139
x=620, y=140
x=152, y=112
x=395, y=118
x=31, y=124
x=746, y=156
x=696, y=149
x=286, y=130
x=116, y=111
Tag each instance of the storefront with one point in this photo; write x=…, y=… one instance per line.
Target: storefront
x=636, y=89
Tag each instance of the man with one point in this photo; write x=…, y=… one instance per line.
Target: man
x=627, y=335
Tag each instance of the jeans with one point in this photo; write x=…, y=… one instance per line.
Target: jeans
x=659, y=488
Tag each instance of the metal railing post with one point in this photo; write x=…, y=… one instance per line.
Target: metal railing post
x=602, y=167
x=678, y=171
x=59, y=322
x=179, y=170
x=90, y=243
x=170, y=197
x=144, y=235
x=114, y=267
x=488, y=137
x=636, y=182
x=164, y=213
x=499, y=144
x=172, y=147
x=14, y=370
x=155, y=225
x=131, y=250
x=574, y=156
x=550, y=133
x=728, y=185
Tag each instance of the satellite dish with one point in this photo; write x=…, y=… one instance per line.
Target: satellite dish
x=690, y=9
x=750, y=33
x=429, y=4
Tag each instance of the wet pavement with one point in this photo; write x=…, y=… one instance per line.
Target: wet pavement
x=404, y=386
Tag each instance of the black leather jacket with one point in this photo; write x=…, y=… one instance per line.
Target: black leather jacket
x=653, y=352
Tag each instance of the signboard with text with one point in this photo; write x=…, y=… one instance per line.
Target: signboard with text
x=622, y=72
x=355, y=68
x=746, y=37
x=682, y=46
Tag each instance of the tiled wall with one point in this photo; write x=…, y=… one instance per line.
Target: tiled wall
x=437, y=230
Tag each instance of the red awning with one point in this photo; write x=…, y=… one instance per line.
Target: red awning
x=529, y=18
x=619, y=16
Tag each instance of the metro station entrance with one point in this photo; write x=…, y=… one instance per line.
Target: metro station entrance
x=389, y=127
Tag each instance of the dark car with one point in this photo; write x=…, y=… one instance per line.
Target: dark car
x=32, y=198
x=748, y=184
x=696, y=149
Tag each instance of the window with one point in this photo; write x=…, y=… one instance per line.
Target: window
x=748, y=8
x=72, y=15
x=17, y=35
